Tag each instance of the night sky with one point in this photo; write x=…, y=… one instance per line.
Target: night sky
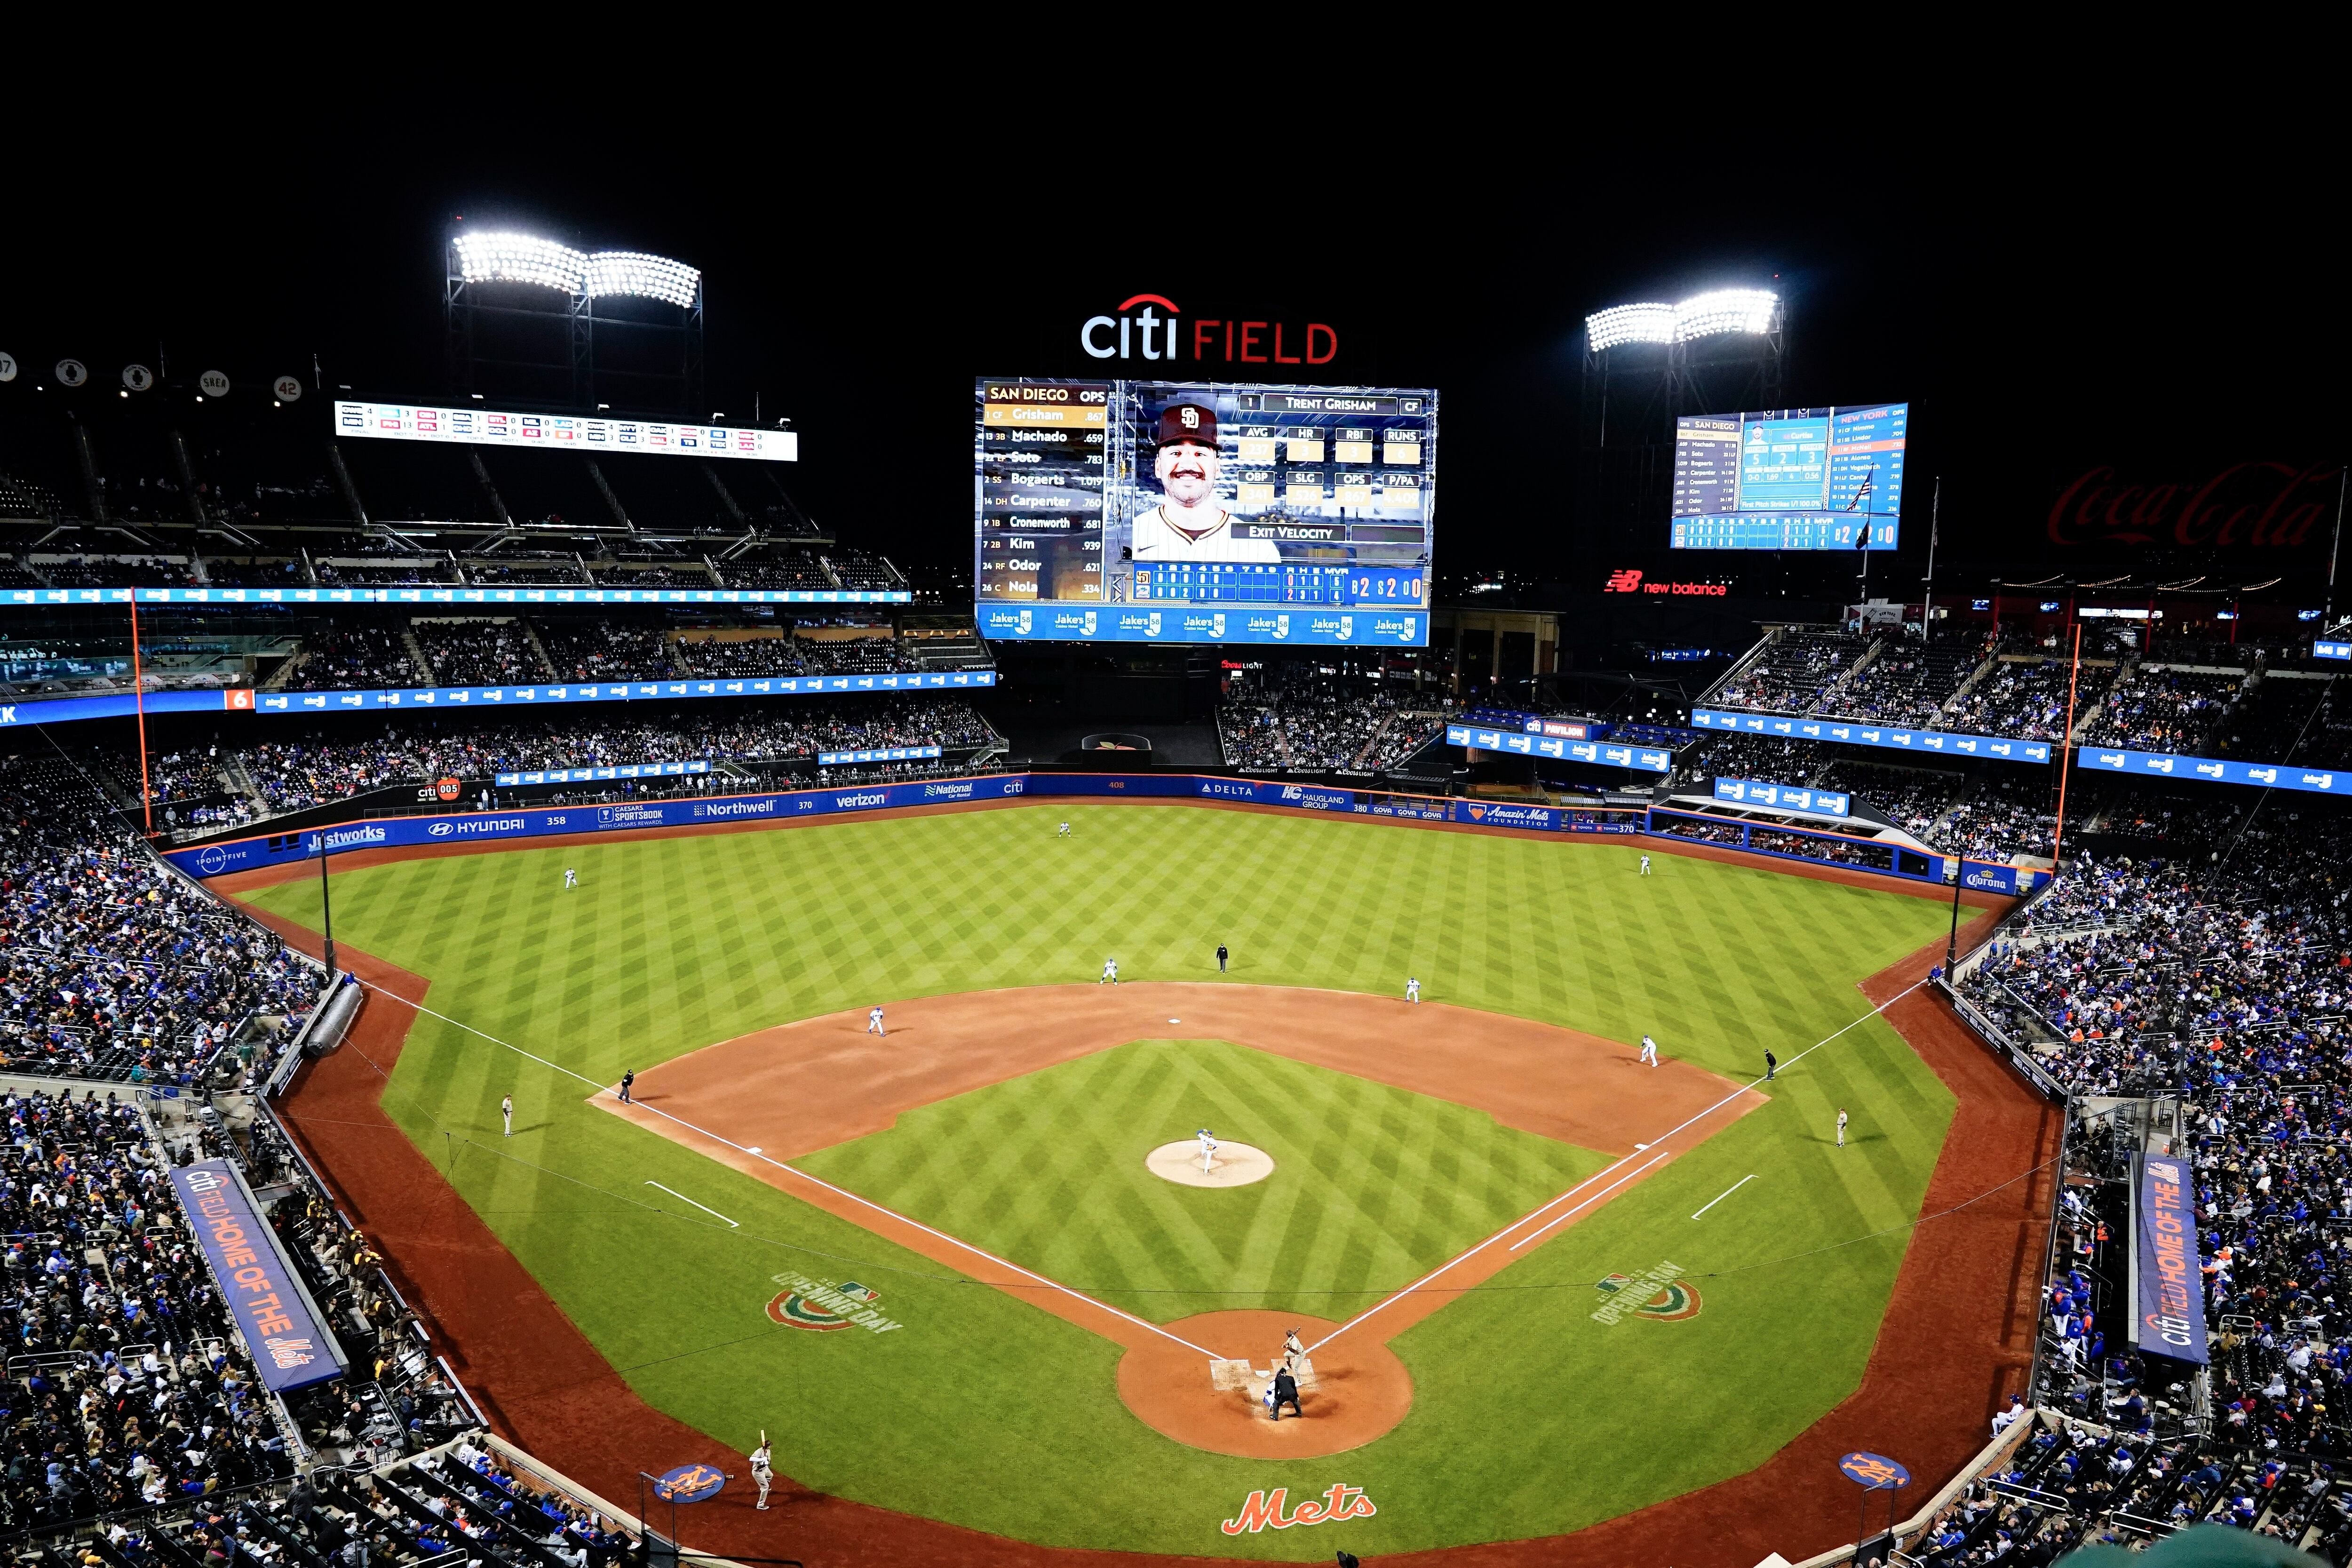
x=2037, y=319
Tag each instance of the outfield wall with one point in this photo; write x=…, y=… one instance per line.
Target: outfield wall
x=267, y=850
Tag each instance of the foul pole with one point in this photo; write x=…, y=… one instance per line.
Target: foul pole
x=138, y=702
x=2066, y=750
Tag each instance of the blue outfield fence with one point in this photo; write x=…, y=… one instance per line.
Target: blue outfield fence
x=466, y=827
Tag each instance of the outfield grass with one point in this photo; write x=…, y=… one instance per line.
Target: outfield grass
x=1529, y=1418
x=1373, y=1185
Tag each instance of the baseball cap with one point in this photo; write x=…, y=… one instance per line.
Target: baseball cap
x=1188, y=422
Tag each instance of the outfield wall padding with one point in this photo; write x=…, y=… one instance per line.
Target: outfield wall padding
x=265, y=849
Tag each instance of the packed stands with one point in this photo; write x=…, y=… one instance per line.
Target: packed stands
x=2155, y=708
x=1906, y=683
x=2026, y=699
x=708, y=655
x=1793, y=674
x=478, y=653
x=600, y=650
x=311, y=768
x=111, y=966
x=354, y=657
x=1309, y=722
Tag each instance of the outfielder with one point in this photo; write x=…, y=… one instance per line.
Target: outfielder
x=1110, y=972
x=1645, y=865
x=1649, y=1050
x=506, y=1109
x=1413, y=989
x=764, y=1468
x=1208, y=1151
x=570, y=878
x=1841, y=1142
x=1064, y=833
x=874, y=1022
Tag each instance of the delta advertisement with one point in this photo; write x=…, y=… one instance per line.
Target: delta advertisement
x=290, y=1347
x=2168, y=1296
x=611, y=691
x=1364, y=627
x=1559, y=748
x=1847, y=733
x=2215, y=770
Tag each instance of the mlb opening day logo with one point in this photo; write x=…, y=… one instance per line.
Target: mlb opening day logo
x=1659, y=1293
x=821, y=1306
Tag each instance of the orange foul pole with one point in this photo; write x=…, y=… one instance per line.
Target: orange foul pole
x=139, y=701
x=2066, y=750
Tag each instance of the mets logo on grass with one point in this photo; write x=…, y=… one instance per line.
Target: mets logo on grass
x=822, y=1306
x=1270, y=1510
x=1660, y=1293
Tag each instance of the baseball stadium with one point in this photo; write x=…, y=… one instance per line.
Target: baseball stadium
x=560, y=1012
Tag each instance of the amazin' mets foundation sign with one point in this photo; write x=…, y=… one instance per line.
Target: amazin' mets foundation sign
x=821, y=1306
x=1661, y=1293
x=1270, y=1510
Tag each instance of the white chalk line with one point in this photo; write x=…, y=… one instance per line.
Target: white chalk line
x=1522, y=1219
x=1725, y=1193
x=681, y=1197
x=803, y=1175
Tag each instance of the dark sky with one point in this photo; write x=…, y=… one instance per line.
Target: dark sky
x=2035, y=311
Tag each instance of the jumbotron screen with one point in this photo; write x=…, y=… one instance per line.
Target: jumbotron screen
x=1792, y=479
x=1187, y=511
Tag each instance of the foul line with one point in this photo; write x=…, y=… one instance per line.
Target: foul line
x=1654, y=1143
x=1725, y=1193
x=803, y=1175
x=681, y=1197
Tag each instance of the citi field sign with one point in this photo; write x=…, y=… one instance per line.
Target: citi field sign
x=1152, y=327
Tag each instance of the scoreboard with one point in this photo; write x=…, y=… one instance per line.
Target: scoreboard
x=1204, y=511
x=1793, y=479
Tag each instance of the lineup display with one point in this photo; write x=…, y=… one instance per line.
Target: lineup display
x=560, y=432
x=1792, y=479
x=1120, y=510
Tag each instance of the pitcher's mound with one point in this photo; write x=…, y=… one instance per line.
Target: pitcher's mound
x=1361, y=1389
x=1235, y=1164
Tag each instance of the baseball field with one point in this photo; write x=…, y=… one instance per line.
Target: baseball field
x=934, y=1267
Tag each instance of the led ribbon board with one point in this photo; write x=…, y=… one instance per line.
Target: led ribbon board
x=1846, y=732
x=560, y=432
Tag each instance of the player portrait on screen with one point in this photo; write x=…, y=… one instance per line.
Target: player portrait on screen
x=1188, y=524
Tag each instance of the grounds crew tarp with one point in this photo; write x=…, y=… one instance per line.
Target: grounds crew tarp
x=290, y=1345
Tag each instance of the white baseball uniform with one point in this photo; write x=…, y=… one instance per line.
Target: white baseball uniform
x=1207, y=537
x=1208, y=1152
x=873, y=1023
x=1110, y=972
x=1413, y=990
x=763, y=1472
x=1649, y=1050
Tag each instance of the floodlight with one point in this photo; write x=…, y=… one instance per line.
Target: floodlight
x=519, y=258
x=634, y=272
x=1725, y=310
x=1629, y=324
x=1712, y=314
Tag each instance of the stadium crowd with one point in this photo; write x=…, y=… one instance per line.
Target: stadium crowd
x=314, y=767
x=111, y=966
x=1309, y=723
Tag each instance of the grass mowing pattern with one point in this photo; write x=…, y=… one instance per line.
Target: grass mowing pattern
x=1529, y=1419
x=1373, y=1185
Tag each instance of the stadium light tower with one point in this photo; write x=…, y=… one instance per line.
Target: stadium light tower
x=533, y=320
x=1715, y=352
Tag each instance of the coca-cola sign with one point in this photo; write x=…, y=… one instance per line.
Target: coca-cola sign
x=2246, y=506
